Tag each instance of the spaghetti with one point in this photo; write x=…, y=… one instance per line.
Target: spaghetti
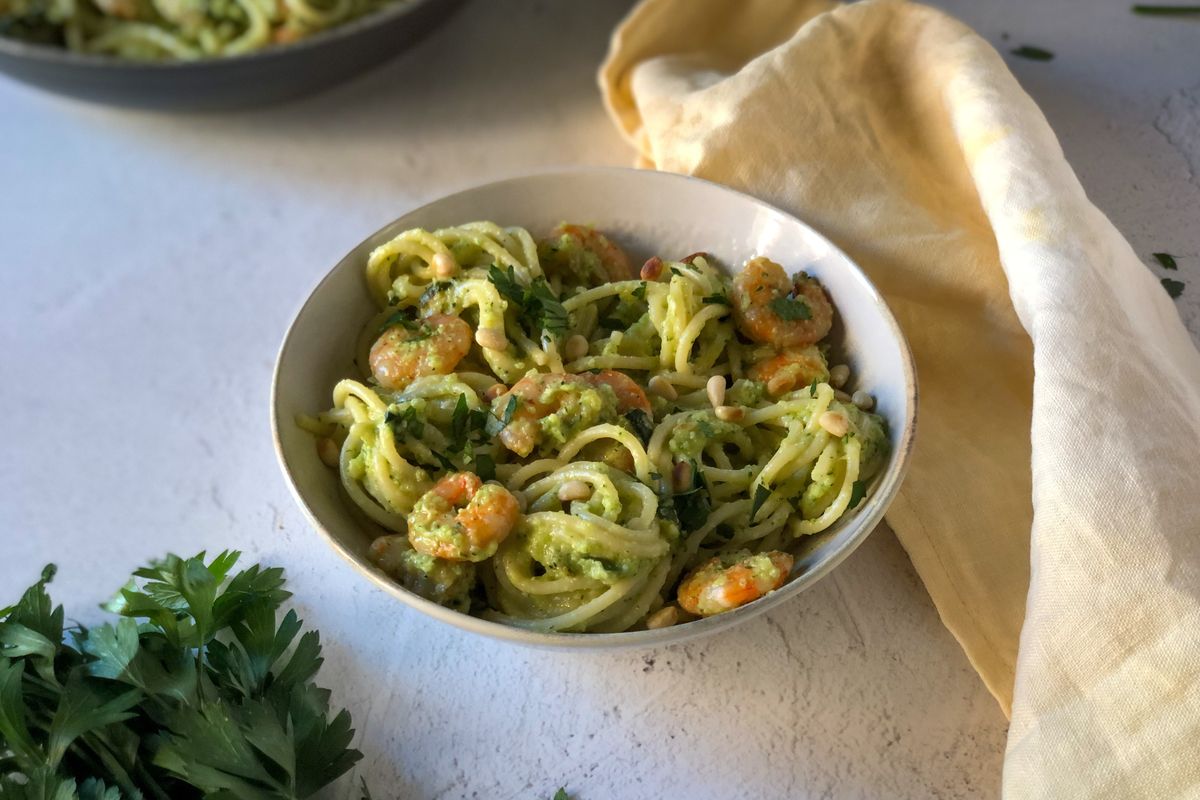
x=554, y=440
x=156, y=30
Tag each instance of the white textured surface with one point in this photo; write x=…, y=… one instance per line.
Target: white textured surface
x=151, y=264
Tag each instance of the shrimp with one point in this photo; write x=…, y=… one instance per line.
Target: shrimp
x=770, y=309
x=431, y=346
x=728, y=581
x=567, y=250
x=562, y=397
x=790, y=370
x=462, y=519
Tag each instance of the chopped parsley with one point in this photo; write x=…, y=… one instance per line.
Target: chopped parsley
x=640, y=292
x=1166, y=259
x=717, y=298
x=693, y=507
x=641, y=423
x=858, y=490
x=541, y=312
x=1032, y=53
x=761, y=493
x=406, y=318
x=1164, y=11
x=1174, y=288
x=791, y=309
x=405, y=422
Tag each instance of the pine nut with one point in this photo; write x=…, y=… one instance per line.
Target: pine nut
x=327, y=451
x=574, y=490
x=835, y=422
x=443, y=265
x=840, y=396
x=662, y=387
x=838, y=375
x=716, y=390
x=681, y=476
x=863, y=400
x=652, y=269
x=575, y=347
x=730, y=413
x=494, y=391
x=665, y=617
x=491, y=339
x=780, y=384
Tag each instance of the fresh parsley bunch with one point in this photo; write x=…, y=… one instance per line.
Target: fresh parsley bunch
x=209, y=695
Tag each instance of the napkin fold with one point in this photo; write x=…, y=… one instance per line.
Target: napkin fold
x=1053, y=505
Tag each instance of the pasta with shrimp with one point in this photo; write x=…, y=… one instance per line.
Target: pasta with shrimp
x=551, y=438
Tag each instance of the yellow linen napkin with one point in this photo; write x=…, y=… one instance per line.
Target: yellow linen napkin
x=901, y=135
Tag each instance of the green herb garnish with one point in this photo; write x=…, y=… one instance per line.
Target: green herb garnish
x=640, y=292
x=1164, y=11
x=718, y=298
x=485, y=467
x=561, y=794
x=761, y=493
x=1032, y=53
x=1174, y=288
x=541, y=312
x=407, y=421
x=791, y=309
x=1166, y=259
x=693, y=506
x=641, y=423
x=199, y=690
x=858, y=490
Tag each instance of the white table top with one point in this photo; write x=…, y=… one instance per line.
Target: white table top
x=152, y=263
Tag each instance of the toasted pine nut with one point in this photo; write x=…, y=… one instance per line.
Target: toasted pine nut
x=835, y=422
x=716, y=390
x=662, y=387
x=574, y=490
x=863, y=400
x=780, y=384
x=841, y=396
x=491, y=339
x=652, y=269
x=681, y=476
x=494, y=391
x=665, y=617
x=730, y=413
x=838, y=375
x=327, y=451
x=575, y=347
x=443, y=265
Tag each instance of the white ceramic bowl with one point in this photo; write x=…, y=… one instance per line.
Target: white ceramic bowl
x=648, y=213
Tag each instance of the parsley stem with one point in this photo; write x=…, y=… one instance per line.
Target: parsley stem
x=1165, y=11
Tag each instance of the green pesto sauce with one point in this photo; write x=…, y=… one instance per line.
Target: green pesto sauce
x=578, y=408
x=690, y=436
x=745, y=392
x=568, y=260
x=564, y=556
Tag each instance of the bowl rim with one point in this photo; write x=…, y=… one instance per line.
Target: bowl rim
x=869, y=515
x=53, y=54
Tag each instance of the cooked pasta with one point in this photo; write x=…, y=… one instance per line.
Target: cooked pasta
x=154, y=30
x=548, y=437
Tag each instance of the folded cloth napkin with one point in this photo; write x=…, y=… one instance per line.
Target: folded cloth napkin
x=900, y=134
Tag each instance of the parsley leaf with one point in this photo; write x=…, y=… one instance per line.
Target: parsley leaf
x=561, y=794
x=693, y=506
x=718, y=298
x=642, y=425
x=761, y=493
x=541, y=312
x=858, y=490
x=1032, y=53
x=1164, y=11
x=1166, y=259
x=208, y=695
x=666, y=500
x=509, y=410
x=640, y=292
x=485, y=467
x=407, y=421
x=791, y=309
x=1174, y=288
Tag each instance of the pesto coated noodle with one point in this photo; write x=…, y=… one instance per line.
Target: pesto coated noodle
x=548, y=437
x=157, y=30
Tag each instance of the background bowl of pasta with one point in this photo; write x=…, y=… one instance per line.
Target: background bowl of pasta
x=197, y=56
x=664, y=451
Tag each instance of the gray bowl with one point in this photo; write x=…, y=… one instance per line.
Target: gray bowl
x=649, y=213
x=266, y=76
